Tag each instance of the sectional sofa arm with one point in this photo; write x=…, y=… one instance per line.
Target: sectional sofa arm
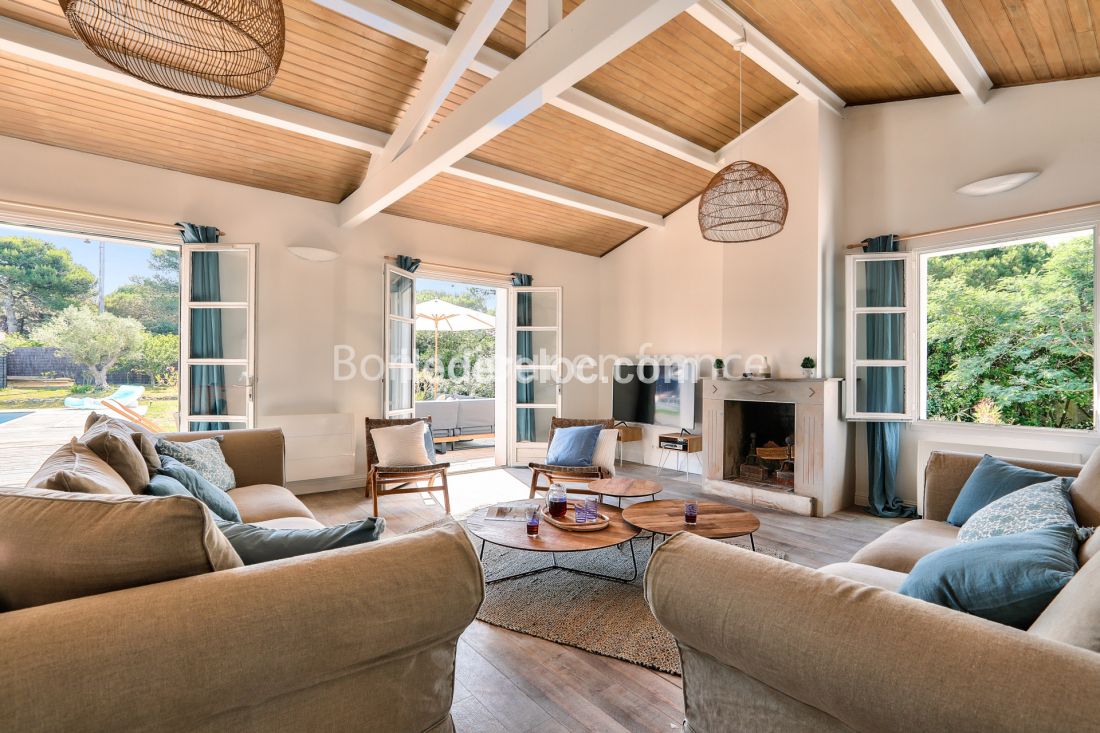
x=256, y=455
x=239, y=644
x=869, y=658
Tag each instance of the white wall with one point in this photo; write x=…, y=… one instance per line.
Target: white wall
x=305, y=308
x=902, y=164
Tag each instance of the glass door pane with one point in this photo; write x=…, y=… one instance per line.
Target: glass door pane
x=400, y=340
x=535, y=393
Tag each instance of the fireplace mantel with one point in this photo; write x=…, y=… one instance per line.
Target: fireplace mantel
x=823, y=480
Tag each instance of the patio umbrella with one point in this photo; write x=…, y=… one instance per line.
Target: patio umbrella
x=443, y=316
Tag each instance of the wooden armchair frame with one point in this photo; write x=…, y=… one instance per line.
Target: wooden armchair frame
x=568, y=474
x=379, y=478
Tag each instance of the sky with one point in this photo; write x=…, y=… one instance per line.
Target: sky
x=123, y=260
x=453, y=288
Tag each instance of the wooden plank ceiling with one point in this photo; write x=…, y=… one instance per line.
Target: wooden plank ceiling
x=1030, y=41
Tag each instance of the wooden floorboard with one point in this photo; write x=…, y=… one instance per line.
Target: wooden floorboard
x=507, y=682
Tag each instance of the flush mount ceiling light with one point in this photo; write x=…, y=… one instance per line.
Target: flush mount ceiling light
x=216, y=49
x=313, y=254
x=744, y=201
x=997, y=184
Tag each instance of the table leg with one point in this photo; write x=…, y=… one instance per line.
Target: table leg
x=752, y=542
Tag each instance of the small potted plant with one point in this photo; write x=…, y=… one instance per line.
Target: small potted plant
x=719, y=369
x=808, y=366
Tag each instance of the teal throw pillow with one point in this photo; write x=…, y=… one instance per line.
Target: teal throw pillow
x=215, y=499
x=574, y=446
x=1009, y=579
x=205, y=456
x=164, y=485
x=1034, y=507
x=992, y=479
x=262, y=544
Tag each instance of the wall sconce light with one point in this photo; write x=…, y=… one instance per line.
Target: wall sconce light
x=997, y=184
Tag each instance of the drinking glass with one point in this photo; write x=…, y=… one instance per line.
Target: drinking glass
x=531, y=513
x=691, y=512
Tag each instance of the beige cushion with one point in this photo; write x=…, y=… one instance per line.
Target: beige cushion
x=901, y=547
x=55, y=545
x=1073, y=617
x=605, y=450
x=115, y=444
x=263, y=502
x=1085, y=492
x=1089, y=548
x=401, y=445
x=290, y=523
x=866, y=574
x=74, y=467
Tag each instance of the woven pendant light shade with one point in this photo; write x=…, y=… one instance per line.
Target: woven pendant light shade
x=204, y=48
x=742, y=203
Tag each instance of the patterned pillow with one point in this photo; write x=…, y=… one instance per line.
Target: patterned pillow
x=1046, y=504
x=204, y=456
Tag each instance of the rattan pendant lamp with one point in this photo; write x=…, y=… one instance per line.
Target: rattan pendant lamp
x=205, y=48
x=744, y=201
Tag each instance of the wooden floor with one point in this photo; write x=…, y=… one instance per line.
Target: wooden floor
x=26, y=442
x=513, y=683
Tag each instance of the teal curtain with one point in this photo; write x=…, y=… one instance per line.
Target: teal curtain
x=207, y=383
x=885, y=339
x=407, y=263
x=525, y=391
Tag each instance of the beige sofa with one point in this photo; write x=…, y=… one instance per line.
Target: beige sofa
x=785, y=648
x=362, y=638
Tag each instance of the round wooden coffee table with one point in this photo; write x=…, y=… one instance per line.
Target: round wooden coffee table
x=624, y=488
x=553, y=540
x=716, y=521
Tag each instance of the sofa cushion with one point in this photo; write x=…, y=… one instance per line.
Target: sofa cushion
x=1045, y=504
x=56, y=545
x=1089, y=548
x=162, y=484
x=1009, y=579
x=606, y=446
x=992, y=479
x=262, y=502
x=901, y=547
x=866, y=574
x=115, y=443
x=403, y=445
x=204, y=456
x=1085, y=492
x=289, y=523
x=256, y=544
x=1073, y=617
x=212, y=496
x=76, y=468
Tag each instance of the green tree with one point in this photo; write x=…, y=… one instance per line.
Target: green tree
x=152, y=300
x=459, y=351
x=38, y=280
x=92, y=339
x=157, y=357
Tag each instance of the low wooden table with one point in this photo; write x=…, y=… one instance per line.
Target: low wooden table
x=715, y=521
x=625, y=488
x=553, y=540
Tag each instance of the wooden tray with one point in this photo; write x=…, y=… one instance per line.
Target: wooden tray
x=570, y=525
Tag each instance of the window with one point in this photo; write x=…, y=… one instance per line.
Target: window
x=997, y=332
x=1008, y=332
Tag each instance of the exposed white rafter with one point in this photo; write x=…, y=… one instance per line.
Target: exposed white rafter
x=541, y=16
x=475, y=170
x=400, y=22
x=593, y=34
x=442, y=73
x=939, y=33
x=33, y=44
x=722, y=20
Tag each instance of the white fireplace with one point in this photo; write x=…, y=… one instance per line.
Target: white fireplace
x=802, y=413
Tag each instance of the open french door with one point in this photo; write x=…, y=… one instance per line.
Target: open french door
x=534, y=386
x=217, y=336
x=399, y=380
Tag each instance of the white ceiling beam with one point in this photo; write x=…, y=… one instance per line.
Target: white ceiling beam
x=939, y=33
x=444, y=70
x=492, y=175
x=541, y=16
x=722, y=20
x=44, y=47
x=400, y=22
x=593, y=34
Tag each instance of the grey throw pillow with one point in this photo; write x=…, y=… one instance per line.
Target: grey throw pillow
x=215, y=499
x=262, y=544
x=204, y=456
x=1045, y=504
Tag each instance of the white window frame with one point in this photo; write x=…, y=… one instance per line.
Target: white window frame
x=851, y=392
x=391, y=318
x=521, y=453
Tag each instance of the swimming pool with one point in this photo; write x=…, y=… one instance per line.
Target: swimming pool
x=9, y=416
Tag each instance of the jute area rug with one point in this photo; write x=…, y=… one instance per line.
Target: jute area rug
x=597, y=615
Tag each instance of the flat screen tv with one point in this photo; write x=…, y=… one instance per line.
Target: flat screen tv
x=655, y=394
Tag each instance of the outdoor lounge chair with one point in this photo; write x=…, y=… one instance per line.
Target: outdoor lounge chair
x=568, y=474
x=400, y=477
x=127, y=395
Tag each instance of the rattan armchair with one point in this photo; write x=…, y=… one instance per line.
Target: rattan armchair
x=568, y=474
x=379, y=478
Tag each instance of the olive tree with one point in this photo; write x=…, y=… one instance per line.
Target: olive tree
x=91, y=339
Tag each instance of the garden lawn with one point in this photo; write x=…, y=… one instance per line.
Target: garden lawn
x=163, y=402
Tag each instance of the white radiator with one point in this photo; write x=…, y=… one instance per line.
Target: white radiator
x=317, y=446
